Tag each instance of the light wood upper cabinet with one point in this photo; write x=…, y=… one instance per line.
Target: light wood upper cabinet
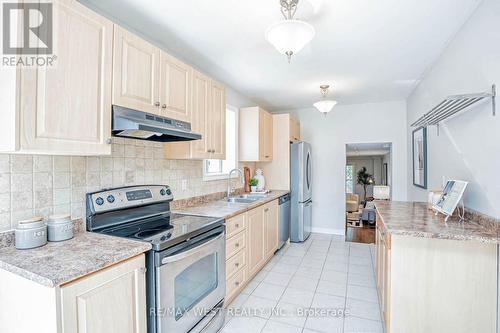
x=256, y=240
x=175, y=85
x=136, y=69
x=216, y=133
x=271, y=221
x=255, y=135
x=115, y=298
x=208, y=118
x=278, y=171
x=66, y=108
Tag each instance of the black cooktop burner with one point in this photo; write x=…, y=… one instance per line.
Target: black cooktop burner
x=162, y=229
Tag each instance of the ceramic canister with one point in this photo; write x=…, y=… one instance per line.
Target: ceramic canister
x=30, y=233
x=60, y=227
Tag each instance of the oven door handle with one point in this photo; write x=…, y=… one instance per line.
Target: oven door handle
x=197, y=247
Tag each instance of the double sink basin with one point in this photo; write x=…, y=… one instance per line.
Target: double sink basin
x=246, y=198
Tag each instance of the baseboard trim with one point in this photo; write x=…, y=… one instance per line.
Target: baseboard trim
x=329, y=231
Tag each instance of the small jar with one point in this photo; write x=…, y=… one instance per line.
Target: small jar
x=60, y=227
x=30, y=233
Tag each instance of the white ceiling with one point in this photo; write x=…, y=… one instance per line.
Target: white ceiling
x=367, y=50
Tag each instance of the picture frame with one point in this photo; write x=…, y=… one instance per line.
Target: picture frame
x=419, y=152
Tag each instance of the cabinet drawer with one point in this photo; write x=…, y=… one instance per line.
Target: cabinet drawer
x=234, y=283
x=235, y=244
x=235, y=263
x=235, y=225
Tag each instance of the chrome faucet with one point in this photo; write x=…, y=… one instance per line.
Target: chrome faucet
x=231, y=190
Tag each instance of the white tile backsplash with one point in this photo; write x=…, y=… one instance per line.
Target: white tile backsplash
x=43, y=185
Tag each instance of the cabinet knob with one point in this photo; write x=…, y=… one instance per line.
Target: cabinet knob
x=266, y=210
x=237, y=225
x=109, y=141
x=143, y=270
x=237, y=245
x=237, y=264
x=236, y=283
x=164, y=106
x=157, y=103
x=267, y=156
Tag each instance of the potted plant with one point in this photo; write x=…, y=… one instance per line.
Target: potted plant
x=253, y=184
x=365, y=179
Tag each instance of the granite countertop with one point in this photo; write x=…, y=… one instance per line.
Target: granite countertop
x=60, y=262
x=221, y=208
x=415, y=219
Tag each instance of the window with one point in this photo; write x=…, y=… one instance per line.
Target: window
x=349, y=179
x=218, y=169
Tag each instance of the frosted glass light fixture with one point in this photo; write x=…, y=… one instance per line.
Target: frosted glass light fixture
x=325, y=105
x=290, y=35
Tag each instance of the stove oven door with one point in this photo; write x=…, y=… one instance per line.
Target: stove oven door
x=190, y=283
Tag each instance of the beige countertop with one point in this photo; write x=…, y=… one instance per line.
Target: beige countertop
x=60, y=262
x=415, y=219
x=221, y=208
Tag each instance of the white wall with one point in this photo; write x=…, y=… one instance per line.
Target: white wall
x=373, y=165
x=468, y=147
x=375, y=122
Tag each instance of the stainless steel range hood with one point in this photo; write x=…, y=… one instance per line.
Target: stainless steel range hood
x=140, y=125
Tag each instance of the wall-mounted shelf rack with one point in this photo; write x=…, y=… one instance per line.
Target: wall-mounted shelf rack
x=453, y=105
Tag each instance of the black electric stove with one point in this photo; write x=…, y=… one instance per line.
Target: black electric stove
x=143, y=213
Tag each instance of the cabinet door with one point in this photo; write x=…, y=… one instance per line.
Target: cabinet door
x=175, y=85
x=256, y=240
x=199, y=115
x=217, y=122
x=65, y=108
x=271, y=228
x=265, y=136
x=135, y=72
x=111, y=300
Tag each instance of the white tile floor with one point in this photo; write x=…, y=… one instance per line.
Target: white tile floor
x=322, y=275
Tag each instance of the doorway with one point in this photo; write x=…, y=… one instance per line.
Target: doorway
x=367, y=177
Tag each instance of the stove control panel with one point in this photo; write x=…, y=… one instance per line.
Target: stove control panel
x=124, y=197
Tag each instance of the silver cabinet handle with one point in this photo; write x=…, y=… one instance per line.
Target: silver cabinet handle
x=143, y=270
x=164, y=106
x=109, y=141
x=157, y=103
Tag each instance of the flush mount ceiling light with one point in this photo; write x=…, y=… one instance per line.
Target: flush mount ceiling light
x=289, y=36
x=325, y=105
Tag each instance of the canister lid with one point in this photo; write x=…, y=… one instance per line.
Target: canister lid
x=59, y=218
x=34, y=222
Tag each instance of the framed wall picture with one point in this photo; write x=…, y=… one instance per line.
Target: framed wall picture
x=419, y=142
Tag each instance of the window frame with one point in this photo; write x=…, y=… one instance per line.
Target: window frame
x=219, y=176
x=353, y=187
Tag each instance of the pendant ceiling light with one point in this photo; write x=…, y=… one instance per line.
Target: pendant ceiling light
x=289, y=36
x=325, y=105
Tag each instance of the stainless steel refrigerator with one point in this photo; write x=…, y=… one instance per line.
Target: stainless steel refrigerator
x=301, y=191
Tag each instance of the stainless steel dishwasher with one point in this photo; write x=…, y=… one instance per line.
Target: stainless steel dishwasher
x=285, y=215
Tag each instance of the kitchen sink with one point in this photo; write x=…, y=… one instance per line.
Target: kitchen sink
x=246, y=198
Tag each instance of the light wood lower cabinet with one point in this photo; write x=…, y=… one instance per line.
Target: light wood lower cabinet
x=271, y=225
x=110, y=300
x=435, y=285
x=259, y=226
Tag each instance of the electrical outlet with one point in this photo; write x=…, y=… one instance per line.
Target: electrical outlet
x=184, y=184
